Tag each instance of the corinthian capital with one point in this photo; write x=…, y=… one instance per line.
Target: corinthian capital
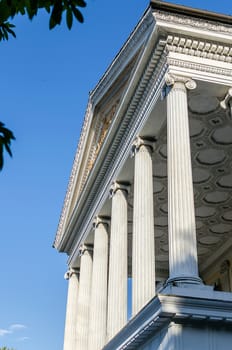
x=171, y=79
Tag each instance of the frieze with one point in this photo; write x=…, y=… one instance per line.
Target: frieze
x=191, y=22
x=200, y=67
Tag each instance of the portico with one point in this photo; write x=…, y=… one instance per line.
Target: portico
x=150, y=193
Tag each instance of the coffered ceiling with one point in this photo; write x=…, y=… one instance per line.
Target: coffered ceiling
x=211, y=146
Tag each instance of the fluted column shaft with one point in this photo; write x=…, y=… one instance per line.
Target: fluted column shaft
x=183, y=265
x=84, y=299
x=98, y=305
x=143, y=254
x=71, y=310
x=117, y=292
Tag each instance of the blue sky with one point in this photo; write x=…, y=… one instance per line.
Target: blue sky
x=45, y=80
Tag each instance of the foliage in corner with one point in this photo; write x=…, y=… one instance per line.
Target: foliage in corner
x=8, y=10
x=6, y=136
x=56, y=8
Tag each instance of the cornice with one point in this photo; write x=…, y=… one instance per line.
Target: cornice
x=75, y=168
x=190, y=11
x=117, y=145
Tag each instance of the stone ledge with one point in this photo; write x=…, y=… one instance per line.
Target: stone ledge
x=178, y=305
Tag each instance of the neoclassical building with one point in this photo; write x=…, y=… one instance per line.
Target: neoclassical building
x=149, y=197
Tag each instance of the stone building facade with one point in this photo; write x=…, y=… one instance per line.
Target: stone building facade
x=149, y=197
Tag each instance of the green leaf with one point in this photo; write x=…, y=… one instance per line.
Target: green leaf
x=69, y=18
x=47, y=8
x=56, y=14
x=6, y=136
x=5, y=33
x=80, y=3
x=6, y=27
x=22, y=11
x=1, y=156
x=5, y=11
x=8, y=149
x=11, y=32
x=77, y=14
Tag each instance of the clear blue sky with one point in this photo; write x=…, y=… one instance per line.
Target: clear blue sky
x=44, y=84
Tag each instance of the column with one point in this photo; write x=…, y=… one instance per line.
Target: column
x=84, y=298
x=117, y=293
x=183, y=265
x=143, y=249
x=98, y=304
x=71, y=309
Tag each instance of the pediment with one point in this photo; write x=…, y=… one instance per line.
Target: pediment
x=104, y=103
x=103, y=116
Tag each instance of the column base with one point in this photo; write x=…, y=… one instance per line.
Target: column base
x=185, y=281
